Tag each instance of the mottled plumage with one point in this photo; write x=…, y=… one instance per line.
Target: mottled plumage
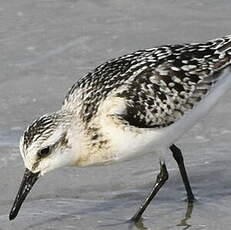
x=135, y=104
x=158, y=84
x=41, y=126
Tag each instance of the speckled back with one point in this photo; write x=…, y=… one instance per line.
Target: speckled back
x=159, y=84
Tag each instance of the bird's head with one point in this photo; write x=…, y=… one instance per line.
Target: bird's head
x=44, y=146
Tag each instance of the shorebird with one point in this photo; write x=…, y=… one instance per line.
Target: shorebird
x=138, y=103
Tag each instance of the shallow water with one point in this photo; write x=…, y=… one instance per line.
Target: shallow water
x=45, y=47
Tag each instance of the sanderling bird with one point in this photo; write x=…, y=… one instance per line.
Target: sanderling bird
x=138, y=103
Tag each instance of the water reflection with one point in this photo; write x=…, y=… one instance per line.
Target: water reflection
x=188, y=215
x=140, y=224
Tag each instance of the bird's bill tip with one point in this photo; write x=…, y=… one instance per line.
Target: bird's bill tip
x=27, y=183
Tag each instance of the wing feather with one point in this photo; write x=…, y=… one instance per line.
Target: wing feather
x=159, y=85
x=165, y=93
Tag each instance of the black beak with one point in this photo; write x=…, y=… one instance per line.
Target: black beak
x=28, y=181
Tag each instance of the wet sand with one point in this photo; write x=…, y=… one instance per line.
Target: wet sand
x=45, y=47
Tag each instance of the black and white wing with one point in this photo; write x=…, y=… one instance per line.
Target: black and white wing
x=159, y=85
x=159, y=95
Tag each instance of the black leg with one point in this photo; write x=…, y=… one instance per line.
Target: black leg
x=180, y=161
x=160, y=180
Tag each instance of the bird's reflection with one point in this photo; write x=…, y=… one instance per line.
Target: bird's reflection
x=183, y=222
x=140, y=225
x=188, y=215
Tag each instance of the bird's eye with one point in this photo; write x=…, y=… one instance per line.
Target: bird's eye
x=44, y=152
